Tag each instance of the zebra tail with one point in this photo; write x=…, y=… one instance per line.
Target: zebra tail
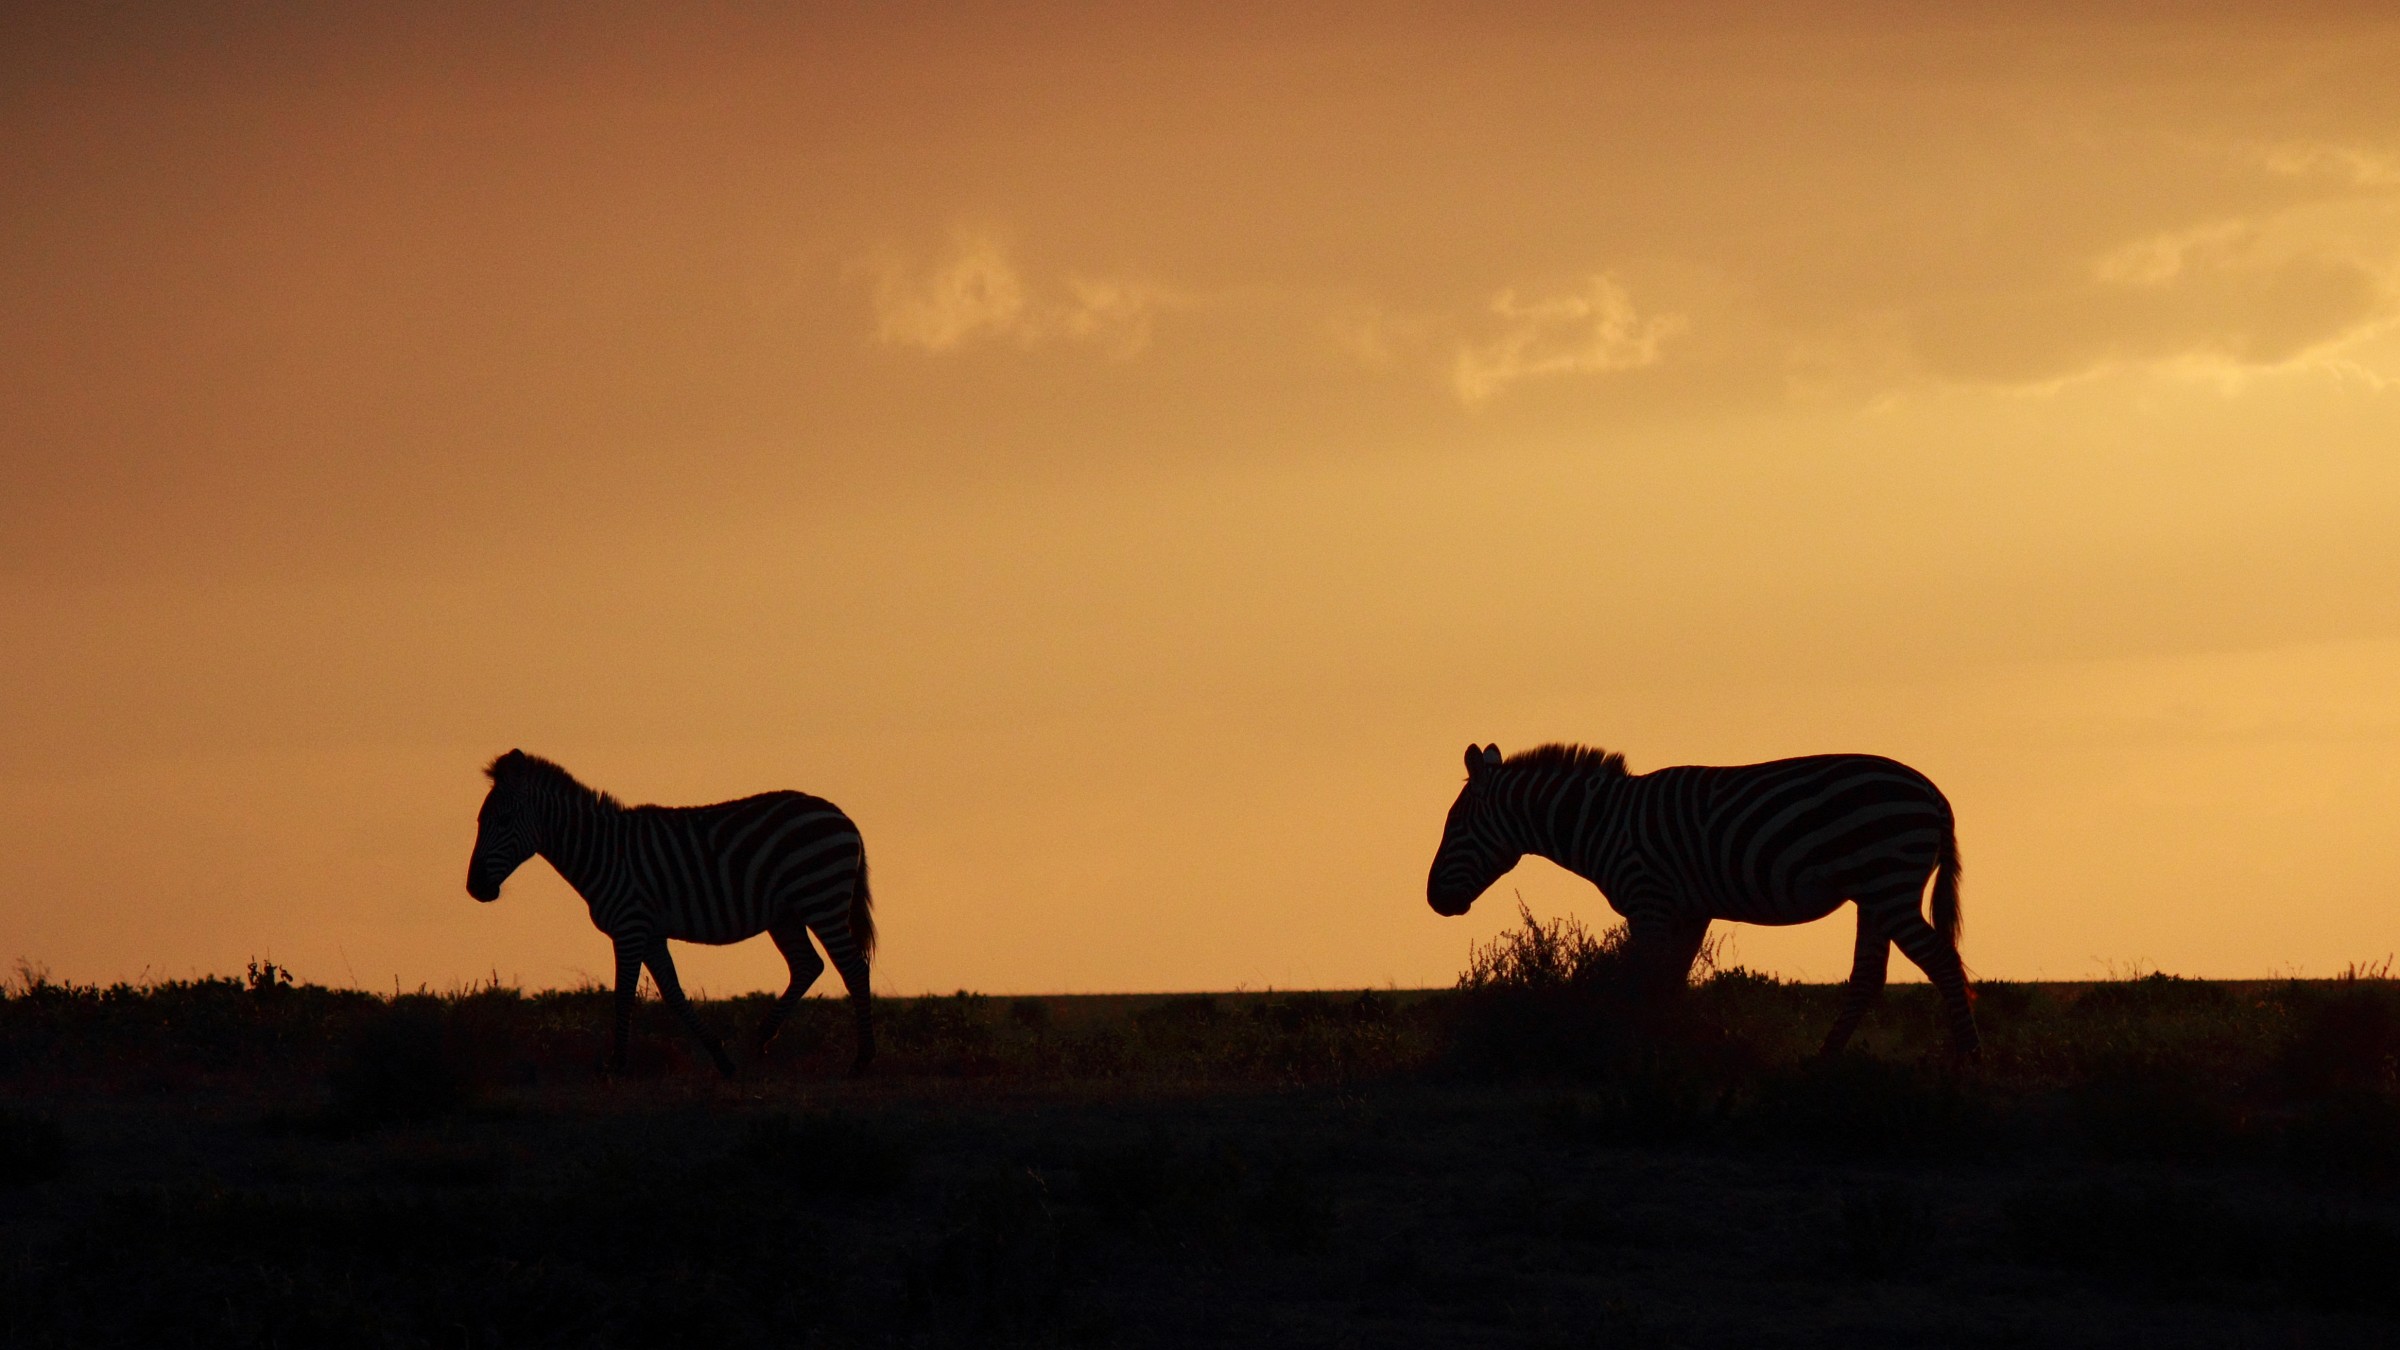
x=862, y=910
x=1947, y=918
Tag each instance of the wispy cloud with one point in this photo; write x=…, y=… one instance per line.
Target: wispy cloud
x=1592, y=329
x=2359, y=165
x=2161, y=259
x=975, y=291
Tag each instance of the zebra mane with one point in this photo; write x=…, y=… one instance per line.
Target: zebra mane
x=1572, y=758
x=516, y=764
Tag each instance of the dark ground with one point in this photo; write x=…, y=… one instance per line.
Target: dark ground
x=2143, y=1162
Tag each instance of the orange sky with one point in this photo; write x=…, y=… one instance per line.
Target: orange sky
x=1123, y=456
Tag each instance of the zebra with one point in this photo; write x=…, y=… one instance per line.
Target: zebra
x=781, y=863
x=1778, y=843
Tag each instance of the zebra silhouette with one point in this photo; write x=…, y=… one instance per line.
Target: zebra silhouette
x=780, y=863
x=1780, y=843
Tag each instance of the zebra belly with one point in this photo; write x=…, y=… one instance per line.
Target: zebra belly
x=1806, y=889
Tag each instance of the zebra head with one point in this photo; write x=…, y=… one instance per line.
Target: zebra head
x=1471, y=857
x=504, y=829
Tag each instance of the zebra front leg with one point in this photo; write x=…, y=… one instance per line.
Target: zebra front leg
x=662, y=969
x=1868, y=968
x=1662, y=952
x=629, y=985
x=798, y=953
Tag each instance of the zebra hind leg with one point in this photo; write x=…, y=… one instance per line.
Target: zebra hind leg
x=1867, y=971
x=791, y=938
x=1938, y=958
x=842, y=945
x=662, y=969
x=862, y=1004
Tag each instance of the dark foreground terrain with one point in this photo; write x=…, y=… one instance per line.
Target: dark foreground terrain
x=1518, y=1162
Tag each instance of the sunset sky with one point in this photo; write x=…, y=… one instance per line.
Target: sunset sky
x=1123, y=455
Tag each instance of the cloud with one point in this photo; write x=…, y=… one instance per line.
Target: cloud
x=1591, y=330
x=2299, y=286
x=2161, y=259
x=975, y=292
x=2355, y=165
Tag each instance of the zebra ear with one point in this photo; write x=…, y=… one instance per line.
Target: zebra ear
x=1491, y=756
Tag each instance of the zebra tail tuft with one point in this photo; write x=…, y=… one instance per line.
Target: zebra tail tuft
x=1948, y=920
x=862, y=910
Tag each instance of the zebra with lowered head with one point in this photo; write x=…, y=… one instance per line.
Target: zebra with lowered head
x=781, y=863
x=1778, y=843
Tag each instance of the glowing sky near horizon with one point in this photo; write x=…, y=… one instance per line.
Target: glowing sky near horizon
x=1124, y=456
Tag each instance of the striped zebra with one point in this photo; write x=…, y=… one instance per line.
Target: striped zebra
x=780, y=863
x=1779, y=843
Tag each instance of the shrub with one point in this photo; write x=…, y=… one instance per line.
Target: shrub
x=1547, y=998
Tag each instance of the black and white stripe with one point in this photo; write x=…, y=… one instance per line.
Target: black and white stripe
x=782, y=863
x=1779, y=843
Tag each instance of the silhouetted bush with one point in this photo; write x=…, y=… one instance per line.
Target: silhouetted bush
x=1548, y=999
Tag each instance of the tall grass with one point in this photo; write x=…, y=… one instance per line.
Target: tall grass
x=2294, y=1074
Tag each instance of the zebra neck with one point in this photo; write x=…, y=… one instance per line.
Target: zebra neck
x=580, y=838
x=1573, y=822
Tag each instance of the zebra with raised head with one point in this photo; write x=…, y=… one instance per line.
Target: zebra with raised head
x=781, y=863
x=1778, y=843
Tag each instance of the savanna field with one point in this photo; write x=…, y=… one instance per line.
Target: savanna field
x=1527, y=1159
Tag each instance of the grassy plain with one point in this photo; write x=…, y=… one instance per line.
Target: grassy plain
x=1521, y=1161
